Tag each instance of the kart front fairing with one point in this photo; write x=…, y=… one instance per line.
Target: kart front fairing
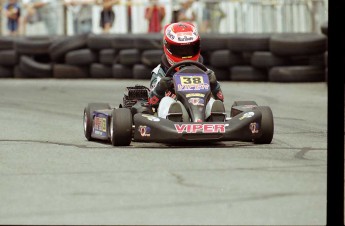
x=149, y=128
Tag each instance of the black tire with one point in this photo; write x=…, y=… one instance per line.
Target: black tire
x=32, y=46
x=248, y=73
x=266, y=126
x=206, y=56
x=70, y=71
x=6, y=72
x=8, y=58
x=7, y=43
x=234, y=111
x=298, y=44
x=129, y=57
x=151, y=58
x=121, y=127
x=100, y=71
x=17, y=73
x=212, y=42
x=100, y=41
x=148, y=41
x=268, y=60
x=41, y=58
x=222, y=74
x=226, y=58
x=312, y=60
x=141, y=71
x=122, y=71
x=34, y=69
x=60, y=47
x=123, y=41
x=81, y=57
x=108, y=56
x=88, y=119
x=297, y=74
x=248, y=42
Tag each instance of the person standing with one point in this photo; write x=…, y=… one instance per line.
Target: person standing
x=211, y=18
x=42, y=10
x=107, y=15
x=187, y=12
x=154, y=14
x=12, y=11
x=81, y=14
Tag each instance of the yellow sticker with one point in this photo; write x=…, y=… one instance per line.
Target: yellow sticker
x=192, y=80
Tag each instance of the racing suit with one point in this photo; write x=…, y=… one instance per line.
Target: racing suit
x=158, y=90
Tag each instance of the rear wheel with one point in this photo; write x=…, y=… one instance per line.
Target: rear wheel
x=88, y=117
x=121, y=127
x=266, y=127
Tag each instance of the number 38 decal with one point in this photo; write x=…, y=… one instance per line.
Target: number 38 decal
x=191, y=80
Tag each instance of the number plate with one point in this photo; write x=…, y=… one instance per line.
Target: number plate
x=192, y=82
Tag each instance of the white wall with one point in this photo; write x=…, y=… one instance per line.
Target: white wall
x=242, y=16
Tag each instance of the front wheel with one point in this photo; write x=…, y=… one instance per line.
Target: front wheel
x=121, y=127
x=88, y=117
x=267, y=125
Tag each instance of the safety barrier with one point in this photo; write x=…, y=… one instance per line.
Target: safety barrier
x=276, y=57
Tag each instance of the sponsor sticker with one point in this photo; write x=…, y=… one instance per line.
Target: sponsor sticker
x=195, y=95
x=196, y=101
x=100, y=124
x=203, y=128
x=144, y=131
x=151, y=118
x=169, y=33
x=254, y=127
x=247, y=115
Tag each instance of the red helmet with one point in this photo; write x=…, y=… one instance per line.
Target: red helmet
x=181, y=41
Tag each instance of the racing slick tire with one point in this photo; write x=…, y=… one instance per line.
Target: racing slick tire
x=266, y=126
x=88, y=119
x=235, y=112
x=121, y=127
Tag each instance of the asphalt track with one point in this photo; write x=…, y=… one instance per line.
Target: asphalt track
x=50, y=174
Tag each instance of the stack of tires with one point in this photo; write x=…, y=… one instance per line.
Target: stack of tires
x=288, y=57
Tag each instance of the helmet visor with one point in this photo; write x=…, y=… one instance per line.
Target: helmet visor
x=183, y=51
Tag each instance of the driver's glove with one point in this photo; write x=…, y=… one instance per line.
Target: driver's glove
x=215, y=86
x=158, y=92
x=164, y=84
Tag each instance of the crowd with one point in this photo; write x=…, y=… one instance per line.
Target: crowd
x=21, y=14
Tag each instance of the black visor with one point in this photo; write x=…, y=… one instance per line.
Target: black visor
x=187, y=50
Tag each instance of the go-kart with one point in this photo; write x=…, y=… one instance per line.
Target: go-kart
x=135, y=120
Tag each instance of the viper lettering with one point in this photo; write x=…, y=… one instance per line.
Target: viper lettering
x=203, y=128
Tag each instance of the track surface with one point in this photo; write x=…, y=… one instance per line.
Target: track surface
x=50, y=174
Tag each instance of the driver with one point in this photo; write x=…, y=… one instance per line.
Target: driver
x=181, y=42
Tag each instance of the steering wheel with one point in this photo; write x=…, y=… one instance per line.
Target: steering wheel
x=185, y=63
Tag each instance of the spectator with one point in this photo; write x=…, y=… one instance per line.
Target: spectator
x=42, y=10
x=12, y=11
x=186, y=12
x=154, y=14
x=211, y=18
x=107, y=15
x=81, y=14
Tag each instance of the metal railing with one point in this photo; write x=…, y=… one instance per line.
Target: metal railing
x=252, y=16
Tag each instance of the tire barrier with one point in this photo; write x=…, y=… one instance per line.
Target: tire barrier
x=283, y=57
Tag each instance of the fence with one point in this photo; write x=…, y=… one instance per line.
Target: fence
x=249, y=16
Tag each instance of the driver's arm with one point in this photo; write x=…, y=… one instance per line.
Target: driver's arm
x=215, y=85
x=158, y=85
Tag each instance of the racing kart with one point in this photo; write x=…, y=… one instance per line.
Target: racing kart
x=135, y=120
